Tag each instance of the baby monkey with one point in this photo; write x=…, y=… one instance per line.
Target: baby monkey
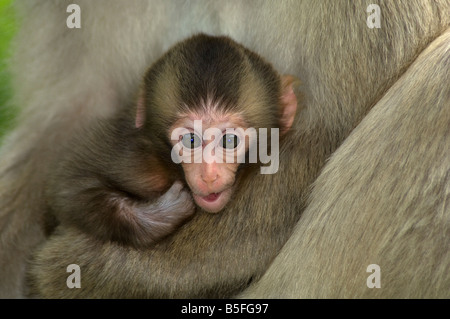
x=119, y=181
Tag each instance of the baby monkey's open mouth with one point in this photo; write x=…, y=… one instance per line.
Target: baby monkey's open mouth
x=211, y=197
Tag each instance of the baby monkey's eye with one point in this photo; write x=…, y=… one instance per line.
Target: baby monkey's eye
x=230, y=141
x=191, y=140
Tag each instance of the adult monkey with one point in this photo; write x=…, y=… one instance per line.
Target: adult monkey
x=346, y=68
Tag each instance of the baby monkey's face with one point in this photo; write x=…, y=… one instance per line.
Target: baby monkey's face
x=210, y=150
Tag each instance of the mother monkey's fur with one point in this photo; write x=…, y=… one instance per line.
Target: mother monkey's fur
x=346, y=67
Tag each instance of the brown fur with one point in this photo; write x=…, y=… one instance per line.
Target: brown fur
x=111, y=180
x=103, y=186
x=346, y=68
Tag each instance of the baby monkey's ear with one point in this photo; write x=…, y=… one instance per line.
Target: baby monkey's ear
x=288, y=102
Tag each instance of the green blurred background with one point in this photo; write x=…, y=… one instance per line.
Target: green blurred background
x=7, y=29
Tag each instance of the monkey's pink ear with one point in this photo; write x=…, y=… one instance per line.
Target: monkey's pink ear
x=140, y=110
x=288, y=102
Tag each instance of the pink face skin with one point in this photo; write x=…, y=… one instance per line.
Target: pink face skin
x=212, y=184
